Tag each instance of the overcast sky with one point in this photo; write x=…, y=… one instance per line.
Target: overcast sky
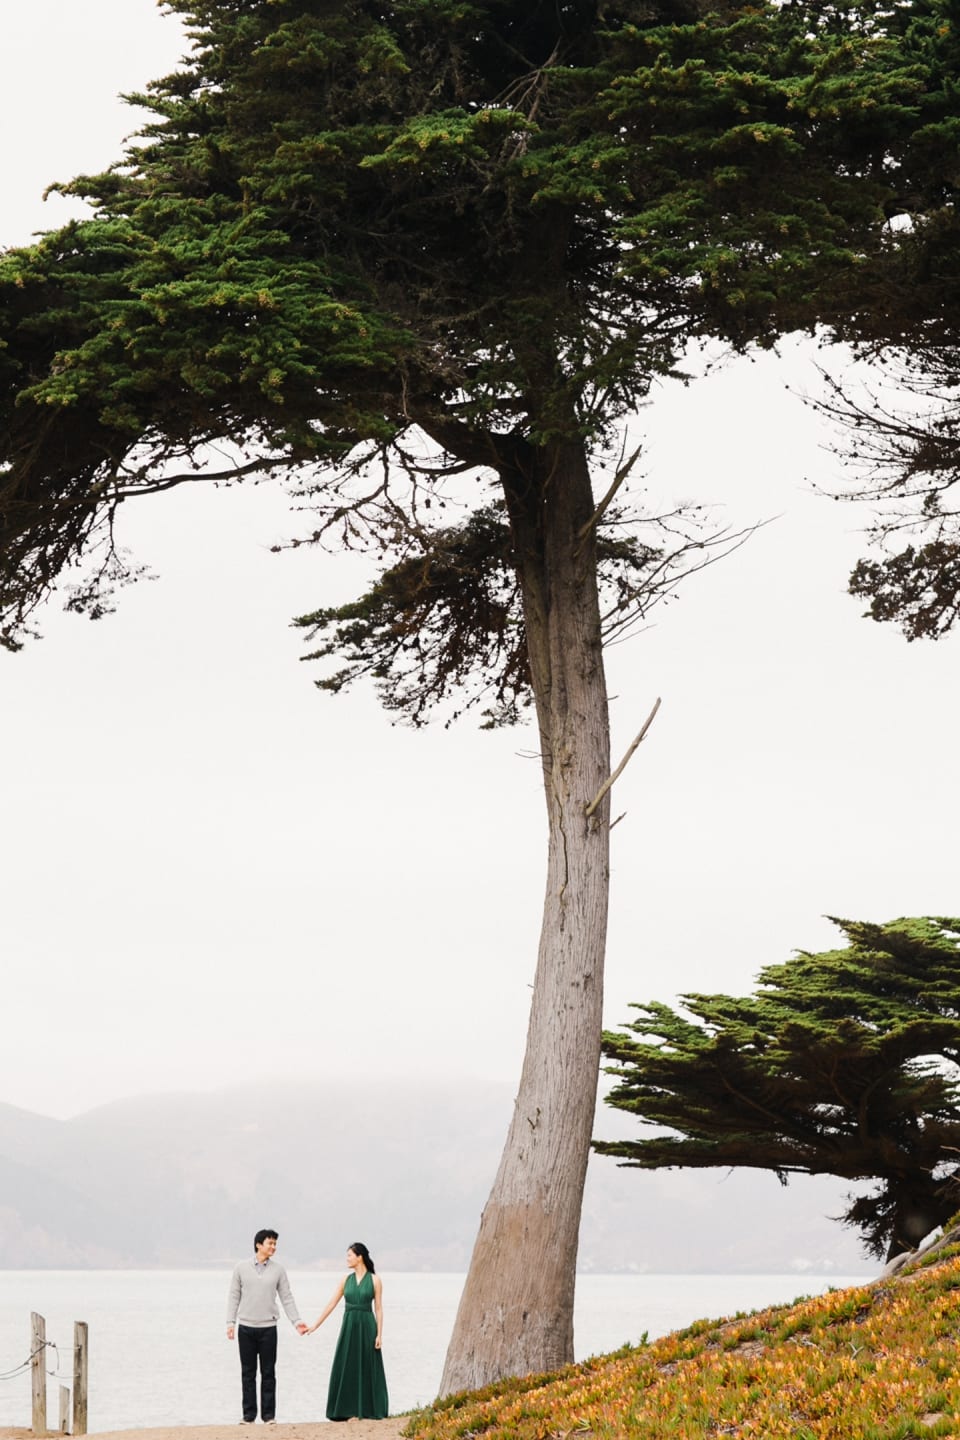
x=212, y=872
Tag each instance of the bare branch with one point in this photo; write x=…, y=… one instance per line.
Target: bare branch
x=634, y=602
x=612, y=779
x=622, y=472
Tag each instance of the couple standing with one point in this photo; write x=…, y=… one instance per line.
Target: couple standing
x=358, y=1387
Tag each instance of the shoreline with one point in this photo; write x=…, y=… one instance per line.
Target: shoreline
x=388, y=1429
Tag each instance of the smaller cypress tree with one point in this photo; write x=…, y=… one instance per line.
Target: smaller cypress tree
x=842, y=1063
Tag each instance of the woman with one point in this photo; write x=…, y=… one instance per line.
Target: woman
x=358, y=1386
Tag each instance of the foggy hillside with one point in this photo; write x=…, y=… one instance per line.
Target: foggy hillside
x=184, y=1180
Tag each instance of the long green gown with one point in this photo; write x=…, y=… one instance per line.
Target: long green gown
x=358, y=1385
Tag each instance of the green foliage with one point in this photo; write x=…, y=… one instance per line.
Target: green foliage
x=449, y=613
x=904, y=439
x=842, y=1063
x=453, y=598
x=849, y=1365
x=906, y=447
x=919, y=587
x=495, y=222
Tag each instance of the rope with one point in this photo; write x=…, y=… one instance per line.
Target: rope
x=25, y=1365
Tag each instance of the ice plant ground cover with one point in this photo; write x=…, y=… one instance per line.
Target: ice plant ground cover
x=877, y=1362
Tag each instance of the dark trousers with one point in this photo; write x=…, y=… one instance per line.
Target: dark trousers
x=258, y=1344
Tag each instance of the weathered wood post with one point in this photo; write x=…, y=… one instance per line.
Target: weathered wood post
x=38, y=1373
x=64, y=1409
x=80, y=1377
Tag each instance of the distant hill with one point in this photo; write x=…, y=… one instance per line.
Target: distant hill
x=184, y=1180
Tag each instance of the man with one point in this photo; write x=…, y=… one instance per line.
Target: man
x=252, y=1301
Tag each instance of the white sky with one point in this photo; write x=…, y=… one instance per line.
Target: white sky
x=211, y=872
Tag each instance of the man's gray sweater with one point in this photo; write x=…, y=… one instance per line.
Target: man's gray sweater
x=252, y=1297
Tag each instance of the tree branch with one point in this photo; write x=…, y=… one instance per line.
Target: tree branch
x=618, y=479
x=133, y=482
x=456, y=438
x=611, y=779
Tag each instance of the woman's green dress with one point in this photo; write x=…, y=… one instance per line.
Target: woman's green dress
x=358, y=1385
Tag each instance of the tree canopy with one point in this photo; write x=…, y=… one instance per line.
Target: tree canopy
x=904, y=442
x=903, y=428
x=495, y=222
x=841, y=1063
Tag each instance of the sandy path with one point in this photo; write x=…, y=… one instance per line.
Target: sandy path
x=323, y=1430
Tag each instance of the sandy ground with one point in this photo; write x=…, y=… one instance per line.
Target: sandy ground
x=324, y=1430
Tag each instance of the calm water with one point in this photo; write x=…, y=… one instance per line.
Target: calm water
x=158, y=1355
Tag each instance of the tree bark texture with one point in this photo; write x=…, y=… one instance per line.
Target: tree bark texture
x=516, y=1312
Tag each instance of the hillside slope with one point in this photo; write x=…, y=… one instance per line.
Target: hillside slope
x=878, y=1362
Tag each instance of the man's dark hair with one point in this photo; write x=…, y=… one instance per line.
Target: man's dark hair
x=262, y=1235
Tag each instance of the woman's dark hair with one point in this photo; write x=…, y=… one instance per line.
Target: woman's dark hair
x=364, y=1254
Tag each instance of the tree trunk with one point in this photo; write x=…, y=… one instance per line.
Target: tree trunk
x=516, y=1312
x=917, y=1212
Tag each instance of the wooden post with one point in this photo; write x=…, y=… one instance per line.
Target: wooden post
x=64, y=1409
x=38, y=1373
x=80, y=1378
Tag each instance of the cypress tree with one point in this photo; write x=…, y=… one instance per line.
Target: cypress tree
x=841, y=1063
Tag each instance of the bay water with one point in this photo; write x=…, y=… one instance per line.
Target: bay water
x=158, y=1353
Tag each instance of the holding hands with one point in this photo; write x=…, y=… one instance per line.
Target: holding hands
x=334, y=1301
